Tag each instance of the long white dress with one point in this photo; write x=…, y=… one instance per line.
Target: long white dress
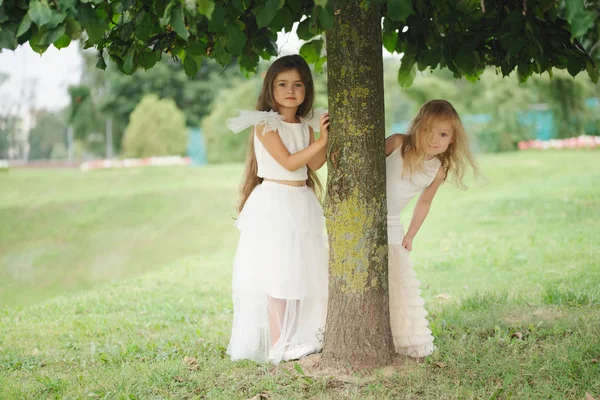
x=410, y=328
x=281, y=263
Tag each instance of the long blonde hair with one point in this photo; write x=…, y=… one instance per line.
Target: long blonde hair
x=455, y=159
x=266, y=102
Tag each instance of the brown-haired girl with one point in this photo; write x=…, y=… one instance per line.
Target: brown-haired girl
x=280, y=271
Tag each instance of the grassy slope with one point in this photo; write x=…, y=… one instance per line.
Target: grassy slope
x=106, y=287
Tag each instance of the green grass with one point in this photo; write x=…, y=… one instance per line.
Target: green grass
x=110, y=279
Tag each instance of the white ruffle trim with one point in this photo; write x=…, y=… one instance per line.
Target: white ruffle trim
x=410, y=328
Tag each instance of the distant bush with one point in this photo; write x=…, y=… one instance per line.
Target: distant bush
x=156, y=128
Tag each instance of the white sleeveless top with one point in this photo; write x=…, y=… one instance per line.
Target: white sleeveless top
x=401, y=190
x=294, y=136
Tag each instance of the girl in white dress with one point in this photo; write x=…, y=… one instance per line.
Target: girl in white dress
x=280, y=275
x=434, y=148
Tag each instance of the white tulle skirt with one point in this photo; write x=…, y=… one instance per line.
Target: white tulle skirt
x=280, y=269
x=410, y=328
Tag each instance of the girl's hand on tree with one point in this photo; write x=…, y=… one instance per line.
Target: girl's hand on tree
x=407, y=243
x=324, y=128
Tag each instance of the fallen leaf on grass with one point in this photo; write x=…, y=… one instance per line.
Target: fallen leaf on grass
x=588, y=396
x=440, y=364
x=518, y=335
x=191, y=363
x=443, y=296
x=178, y=379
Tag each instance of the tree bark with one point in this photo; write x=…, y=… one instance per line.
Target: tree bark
x=358, y=324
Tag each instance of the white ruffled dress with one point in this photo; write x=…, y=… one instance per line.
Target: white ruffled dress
x=282, y=254
x=410, y=328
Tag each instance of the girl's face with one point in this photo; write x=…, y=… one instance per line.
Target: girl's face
x=442, y=134
x=288, y=89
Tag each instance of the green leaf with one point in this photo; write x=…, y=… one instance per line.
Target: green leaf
x=52, y=36
x=178, y=23
x=217, y=22
x=574, y=66
x=303, y=30
x=8, y=39
x=592, y=71
x=236, y=40
x=390, y=38
x=93, y=25
x=165, y=18
x=149, y=59
x=399, y=10
x=581, y=20
x=294, y=5
x=206, y=7
x=160, y=6
x=239, y=5
x=190, y=67
x=101, y=63
x=432, y=57
x=465, y=61
x=407, y=71
x=67, y=5
x=325, y=17
x=196, y=49
x=249, y=62
x=269, y=50
x=319, y=65
x=220, y=54
x=62, y=42
x=39, y=13
x=126, y=31
x=523, y=71
x=73, y=28
x=283, y=20
x=24, y=26
x=266, y=13
x=144, y=29
x=311, y=51
x=128, y=62
x=35, y=45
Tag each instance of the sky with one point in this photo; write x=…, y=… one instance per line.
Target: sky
x=47, y=76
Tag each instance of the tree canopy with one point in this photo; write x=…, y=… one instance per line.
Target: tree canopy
x=530, y=36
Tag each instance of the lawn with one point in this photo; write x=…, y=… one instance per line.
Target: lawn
x=116, y=284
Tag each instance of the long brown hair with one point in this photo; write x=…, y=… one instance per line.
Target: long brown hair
x=266, y=102
x=458, y=155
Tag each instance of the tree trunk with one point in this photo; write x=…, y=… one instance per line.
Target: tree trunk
x=358, y=324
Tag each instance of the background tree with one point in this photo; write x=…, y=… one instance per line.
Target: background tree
x=50, y=129
x=86, y=119
x=156, y=128
x=566, y=97
x=116, y=95
x=526, y=36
